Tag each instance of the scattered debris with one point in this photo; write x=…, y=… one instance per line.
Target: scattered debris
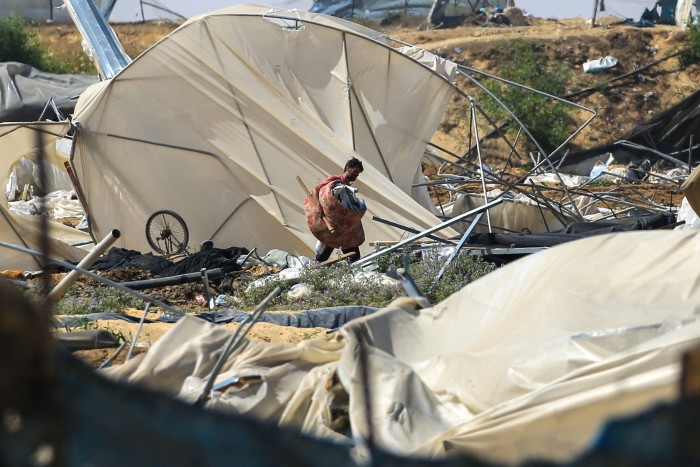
x=500, y=213
x=600, y=64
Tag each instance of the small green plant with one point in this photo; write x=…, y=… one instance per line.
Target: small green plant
x=691, y=53
x=343, y=284
x=249, y=298
x=87, y=325
x=547, y=119
x=425, y=268
x=602, y=181
x=119, y=335
x=102, y=299
x=461, y=271
x=83, y=325
x=19, y=44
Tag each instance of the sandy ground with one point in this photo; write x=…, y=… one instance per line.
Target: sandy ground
x=151, y=332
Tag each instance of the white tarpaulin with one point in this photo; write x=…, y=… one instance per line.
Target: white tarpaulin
x=513, y=214
x=25, y=92
x=217, y=119
x=19, y=141
x=527, y=362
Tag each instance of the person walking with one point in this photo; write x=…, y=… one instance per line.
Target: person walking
x=344, y=216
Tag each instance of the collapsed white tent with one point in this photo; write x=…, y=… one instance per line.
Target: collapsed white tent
x=513, y=214
x=18, y=141
x=527, y=362
x=217, y=119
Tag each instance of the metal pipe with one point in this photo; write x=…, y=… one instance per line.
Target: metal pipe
x=233, y=342
x=205, y=282
x=409, y=229
x=60, y=289
x=690, y=153
x=212, y=274
x=630, y=144
x=481, y=162
x=107, y=363
x=138, y=331
x=97, y=277
x=76, y=184
x=425, y=233
x=246, y=257
x=99, y=37
x=595, y=13
x=459, y=246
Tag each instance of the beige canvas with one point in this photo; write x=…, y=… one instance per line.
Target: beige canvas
x=529, y=362
x=17, y=141
x=216, y=120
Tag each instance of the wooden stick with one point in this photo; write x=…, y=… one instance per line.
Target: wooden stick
x=311, y=198
x=339, y=258
x=78, y=189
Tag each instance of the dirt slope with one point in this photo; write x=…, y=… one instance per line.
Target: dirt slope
x=620, y=106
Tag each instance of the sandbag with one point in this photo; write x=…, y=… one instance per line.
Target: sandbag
x=346, y=223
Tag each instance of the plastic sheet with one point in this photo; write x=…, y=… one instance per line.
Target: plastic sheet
x=595, y=66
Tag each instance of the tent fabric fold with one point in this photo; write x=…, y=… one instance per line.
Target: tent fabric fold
x=19, y=141
x=218, y=115
x=531, y=374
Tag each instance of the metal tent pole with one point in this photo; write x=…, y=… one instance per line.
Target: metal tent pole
x=425, y=233
x=595, y=13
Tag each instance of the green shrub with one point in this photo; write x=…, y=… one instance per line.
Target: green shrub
x=101, y=299
x=425, y=267
x=462, y=270
x=343, y=284
x=86, y=325
x=548, y=120
x=251, y=298
x=19, y=44
x=691, y=53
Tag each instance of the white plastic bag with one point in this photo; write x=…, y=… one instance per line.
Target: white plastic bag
x=687, y=214
x=598, y=170
x=594, y=66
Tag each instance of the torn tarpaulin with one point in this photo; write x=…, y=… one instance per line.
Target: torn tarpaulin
x=329, y=318
x=224, y=258
x=123, y=258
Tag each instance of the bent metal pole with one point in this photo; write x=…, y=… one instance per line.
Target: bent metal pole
x=60, y=289
x=425, y=233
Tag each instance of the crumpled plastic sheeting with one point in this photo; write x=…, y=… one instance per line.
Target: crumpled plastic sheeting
x=59, y=204
x=570, y=181
x=180, y=362
x=528, y=362
x=514, y=214
x=687, y=214
x=26, y=230
x=26, y=90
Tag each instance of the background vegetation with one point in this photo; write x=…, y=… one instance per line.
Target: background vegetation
x=101, y=300
x=18, y=43
x=691, y=53
x=343, y=284
x=548, y=120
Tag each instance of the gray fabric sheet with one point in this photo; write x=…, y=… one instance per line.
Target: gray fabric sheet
x=329, y=318
x=87, y=340
x=24, y=92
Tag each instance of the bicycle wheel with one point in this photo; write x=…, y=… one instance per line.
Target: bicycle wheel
x=166, y=232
